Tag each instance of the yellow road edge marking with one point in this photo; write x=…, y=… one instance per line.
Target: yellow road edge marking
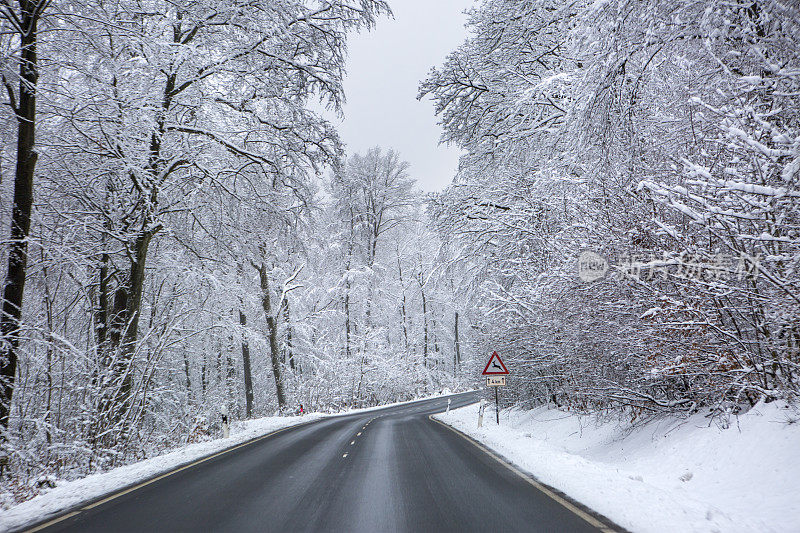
x=54, y=521
x=125, y=491
x=581, y=513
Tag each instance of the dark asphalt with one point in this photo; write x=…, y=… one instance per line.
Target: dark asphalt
x=404, y=472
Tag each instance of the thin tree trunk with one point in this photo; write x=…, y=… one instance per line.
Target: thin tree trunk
x=49, y=341
x=425, y=326
x=103, y=310
x=272, y=325
x=403, y=302
x=347, y=319
x=220, y=377
x=289, y=347
x=230, y=373
x=123, y=333
x=14, y=289
x=347, y=287
x=248, y=376
x=204, y=377
x=433, y=334
x=136, y=285
x=186, y=371
x=101, y=314
x=457, y=354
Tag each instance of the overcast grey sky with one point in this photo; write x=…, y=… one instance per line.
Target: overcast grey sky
x=384, y=68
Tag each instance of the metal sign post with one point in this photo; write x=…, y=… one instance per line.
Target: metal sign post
x=497, y=405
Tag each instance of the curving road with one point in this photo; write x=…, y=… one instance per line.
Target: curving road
x=392, y=469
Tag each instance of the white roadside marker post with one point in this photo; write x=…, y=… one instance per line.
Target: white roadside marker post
x=448, y=405
x=226, y=429
x=481, y=407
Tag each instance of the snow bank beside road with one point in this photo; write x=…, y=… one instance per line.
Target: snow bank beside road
x=665, y=476
x=69, y=494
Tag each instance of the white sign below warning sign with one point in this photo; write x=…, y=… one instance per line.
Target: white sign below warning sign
x=495, y=381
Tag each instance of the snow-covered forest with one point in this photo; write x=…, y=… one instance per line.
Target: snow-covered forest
x=197, y=237
x=659, y=140
x=185, y=232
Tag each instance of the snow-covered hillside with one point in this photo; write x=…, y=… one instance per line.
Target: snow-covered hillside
x=664, y=476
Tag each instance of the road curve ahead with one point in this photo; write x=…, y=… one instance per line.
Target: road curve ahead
x=392, y=469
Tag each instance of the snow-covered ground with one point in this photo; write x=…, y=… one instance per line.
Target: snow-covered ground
x=68, y=494
x=664, y=476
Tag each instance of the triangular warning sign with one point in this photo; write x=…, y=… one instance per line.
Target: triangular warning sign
x=495, y=366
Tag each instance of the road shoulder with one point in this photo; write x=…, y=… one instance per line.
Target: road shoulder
x=603, y=524
x=649, y=478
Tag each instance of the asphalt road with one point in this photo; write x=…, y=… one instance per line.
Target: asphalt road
x=388, y=470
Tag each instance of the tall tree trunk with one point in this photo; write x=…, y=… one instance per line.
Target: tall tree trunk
x=25, y=110
x=204, y=377
x=101, y=313
x=248, y=376
x=230, y=374
x=272, y=325
x=425, y=328
x=123, y=333
x=403, y=302
x=187, y=373
x=136, y=286
x=347, y=325
x=124, y=329
x=289, y=347
x=50, y=342
x=220, y=375
x=434, y=335
x=103, y=310
x=347, y=287
x=457, y=353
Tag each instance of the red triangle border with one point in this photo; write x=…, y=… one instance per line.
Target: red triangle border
x=492, y=358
